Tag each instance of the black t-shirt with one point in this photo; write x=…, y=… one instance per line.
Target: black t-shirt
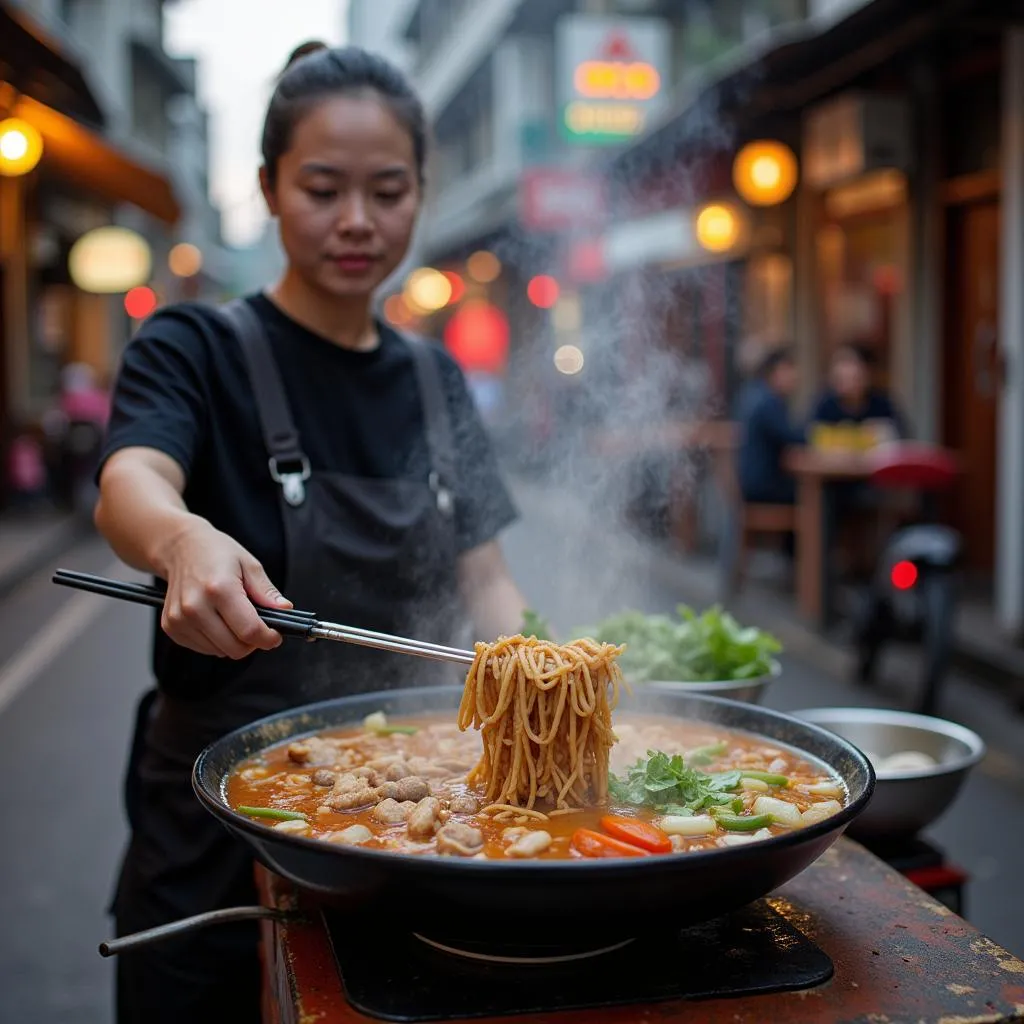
x=183, y=389
x=877, y=406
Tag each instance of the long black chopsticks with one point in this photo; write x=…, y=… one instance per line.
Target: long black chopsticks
x=289, y=623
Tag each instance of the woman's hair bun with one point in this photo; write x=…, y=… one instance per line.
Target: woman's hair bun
x=304, y=50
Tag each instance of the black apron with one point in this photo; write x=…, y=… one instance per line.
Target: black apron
x=380, y=554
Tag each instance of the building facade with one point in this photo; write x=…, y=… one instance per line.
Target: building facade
x=123, y=143
x=904, y=233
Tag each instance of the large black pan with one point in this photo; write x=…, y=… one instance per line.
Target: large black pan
x=503, y=902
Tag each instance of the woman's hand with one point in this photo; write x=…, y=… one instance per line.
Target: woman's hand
x=212, y=585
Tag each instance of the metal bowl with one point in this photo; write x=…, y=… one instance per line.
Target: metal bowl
x=749, y=691
x=904, y=802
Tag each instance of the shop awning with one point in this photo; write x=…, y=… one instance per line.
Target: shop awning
x=37, y=65
x=86, y=159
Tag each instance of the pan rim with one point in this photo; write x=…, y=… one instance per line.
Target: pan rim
x=837, y=823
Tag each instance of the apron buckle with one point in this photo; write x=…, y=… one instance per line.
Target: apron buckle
x=292, y=483
x=443, y=497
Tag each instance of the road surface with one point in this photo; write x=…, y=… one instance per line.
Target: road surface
x=72, y=667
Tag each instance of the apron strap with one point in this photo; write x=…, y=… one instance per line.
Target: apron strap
x=436, y=422
x=289, y=466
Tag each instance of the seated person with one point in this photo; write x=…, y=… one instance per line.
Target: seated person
x=766, y=430
x=850, y=398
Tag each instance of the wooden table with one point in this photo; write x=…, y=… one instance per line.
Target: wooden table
x=900, y=958
x=814, y=471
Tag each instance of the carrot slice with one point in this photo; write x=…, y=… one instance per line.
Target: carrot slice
x=637, y=833
x=588, y=843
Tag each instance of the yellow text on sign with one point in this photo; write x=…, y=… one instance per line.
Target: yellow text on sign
x=612, y=80
x=603, y=119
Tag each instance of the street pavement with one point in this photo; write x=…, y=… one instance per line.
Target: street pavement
x=72, y=667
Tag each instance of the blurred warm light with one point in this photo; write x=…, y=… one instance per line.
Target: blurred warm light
x=483, y=266
x=397, y=312
x=568, y=359
x=477, y=337
x=878, y=190
x=428, y=290
x=21, y=147
x=542, y=291
x=765, y=172
x=717, y=227
x=458, y=285
x=567, y=314
x=140, y=302
x=616, y=80
x=109, y=260
x=185, y=260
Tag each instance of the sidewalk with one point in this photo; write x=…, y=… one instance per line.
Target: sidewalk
x=28, y=540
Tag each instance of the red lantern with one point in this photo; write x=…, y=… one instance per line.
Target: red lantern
x=140, y=302
x=542, y=291
x=477, y=337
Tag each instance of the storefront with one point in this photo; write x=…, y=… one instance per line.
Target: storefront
x=76, y=180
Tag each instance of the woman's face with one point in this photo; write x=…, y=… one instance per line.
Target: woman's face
x=346, y=195
x=849, y=376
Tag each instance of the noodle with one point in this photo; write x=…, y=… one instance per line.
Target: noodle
x=544, y=714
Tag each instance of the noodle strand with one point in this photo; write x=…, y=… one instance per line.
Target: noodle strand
x=544, y=715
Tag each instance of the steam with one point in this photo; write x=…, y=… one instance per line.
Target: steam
x=644, y=338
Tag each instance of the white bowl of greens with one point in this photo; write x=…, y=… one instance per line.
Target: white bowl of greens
x=709, y=652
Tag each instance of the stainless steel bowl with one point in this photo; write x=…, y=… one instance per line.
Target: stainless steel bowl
x=749, y=691
x=904, y=802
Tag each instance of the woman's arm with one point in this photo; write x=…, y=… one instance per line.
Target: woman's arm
x=212, y=581
x=489, y=592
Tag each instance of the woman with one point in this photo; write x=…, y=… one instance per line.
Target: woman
x=288, y=449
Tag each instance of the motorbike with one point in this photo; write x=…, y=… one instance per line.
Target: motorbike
x=913, y=593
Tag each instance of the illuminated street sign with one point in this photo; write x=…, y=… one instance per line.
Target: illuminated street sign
x=612, y=75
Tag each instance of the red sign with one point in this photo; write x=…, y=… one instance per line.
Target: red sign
x=558, y=199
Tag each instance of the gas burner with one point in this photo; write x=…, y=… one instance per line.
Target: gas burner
x=539, y=954
x=444, y=977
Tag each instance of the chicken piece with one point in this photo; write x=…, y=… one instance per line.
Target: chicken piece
x=411, y=788
x=464, y=803
x=426, y=768
x=293, y=828
x=530, y=845
x=323, y=778
x=460, y=840
x=351, y=792
x=425, y=818
x=391, y=812
x=312, y=751
x=397, y=770
x=351, y=836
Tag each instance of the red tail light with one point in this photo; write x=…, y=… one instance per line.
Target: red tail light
x=903, y=575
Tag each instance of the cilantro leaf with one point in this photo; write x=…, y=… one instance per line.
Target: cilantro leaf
x=670, y=786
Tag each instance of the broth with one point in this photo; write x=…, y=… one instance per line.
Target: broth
x=407, y=792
